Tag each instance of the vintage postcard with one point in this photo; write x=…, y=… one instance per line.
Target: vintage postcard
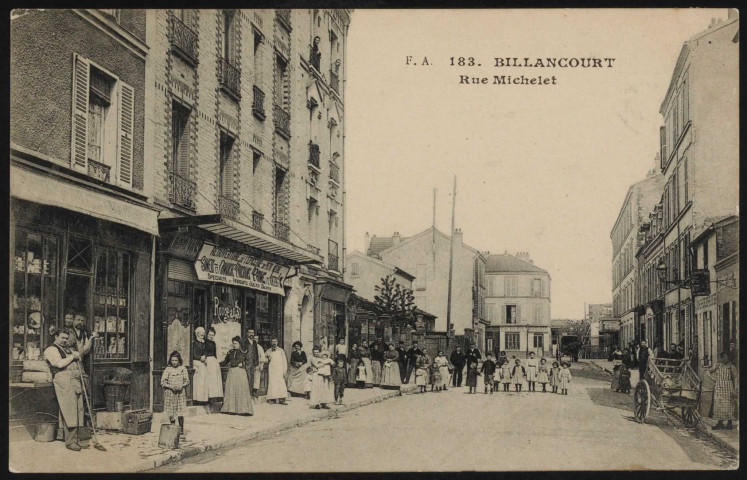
x=361, y=240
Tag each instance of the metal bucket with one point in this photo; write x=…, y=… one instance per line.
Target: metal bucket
x=45, y=432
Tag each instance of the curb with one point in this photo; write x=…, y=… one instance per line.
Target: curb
x=176, y=455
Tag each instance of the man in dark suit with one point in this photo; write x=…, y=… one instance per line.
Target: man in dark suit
x=458, y=360
x=473, y=354
x=402, y=361
x=255, y=360
x=413, y=353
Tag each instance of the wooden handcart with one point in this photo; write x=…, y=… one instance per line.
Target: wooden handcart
x=673, y=388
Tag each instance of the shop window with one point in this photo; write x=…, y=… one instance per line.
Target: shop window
x=539, y=341
x=512, y=341
x=35, y=294
x=111, y=305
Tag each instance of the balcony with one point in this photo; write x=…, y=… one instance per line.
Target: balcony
x=182, y=191
x=334, y=173
x=184, y=41
x=333, y=259
x=229, y=78
x=284, y=17
x=314, y=155
x=228, y=207
x=282, y=121
x=257, y=219
x=334, y=82
x=99, y=171
x=315, y=59
x=282, y=230
x=313, y=249
x=258, y=103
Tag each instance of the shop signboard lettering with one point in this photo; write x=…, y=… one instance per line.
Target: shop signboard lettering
x=220, y=264
x=185, y=245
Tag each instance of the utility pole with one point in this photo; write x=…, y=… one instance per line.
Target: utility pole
x=433, y=235
x=451, y=259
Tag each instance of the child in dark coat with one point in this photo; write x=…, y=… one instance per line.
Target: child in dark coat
x=472, y=377
x=340, y=378
x=488, y=369
x=624, y=385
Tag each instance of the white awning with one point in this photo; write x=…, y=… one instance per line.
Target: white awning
x=37, y=187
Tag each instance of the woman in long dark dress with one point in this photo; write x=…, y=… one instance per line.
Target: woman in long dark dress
x=200, y=377
x=390, y=377
x=354, y=355
x=237, y=398
x=377, y=359
x=366, y=359
x=297, y=371
x=214, y=377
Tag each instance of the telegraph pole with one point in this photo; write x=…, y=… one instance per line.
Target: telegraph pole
x=451, y=260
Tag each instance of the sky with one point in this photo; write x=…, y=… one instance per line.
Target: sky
x=542, y=169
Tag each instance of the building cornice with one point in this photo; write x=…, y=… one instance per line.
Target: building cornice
x=114, y=30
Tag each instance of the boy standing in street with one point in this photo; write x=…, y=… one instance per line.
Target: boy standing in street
x=488, y=369
x=339, y=377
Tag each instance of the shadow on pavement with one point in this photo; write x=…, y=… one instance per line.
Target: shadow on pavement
x=607, y=398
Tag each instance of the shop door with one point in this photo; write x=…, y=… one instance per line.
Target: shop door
x=726, y=328
x=200, y=308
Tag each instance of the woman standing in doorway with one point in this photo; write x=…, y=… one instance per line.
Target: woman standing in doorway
x=199, y=359
x=724, y=392
x=354, y=359
x=297, y=370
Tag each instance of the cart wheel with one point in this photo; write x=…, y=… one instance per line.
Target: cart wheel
x=641, y=401
x=690, y=417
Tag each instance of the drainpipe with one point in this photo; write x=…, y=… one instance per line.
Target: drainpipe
x=152, y=316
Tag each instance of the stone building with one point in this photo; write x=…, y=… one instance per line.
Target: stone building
x=639, y=200
x=246, y=126
x=517, y=305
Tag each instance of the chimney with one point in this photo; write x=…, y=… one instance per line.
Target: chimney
x=396, y=238
x=524, y=256
x=458, y=237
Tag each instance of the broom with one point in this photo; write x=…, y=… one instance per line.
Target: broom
x=96, y=443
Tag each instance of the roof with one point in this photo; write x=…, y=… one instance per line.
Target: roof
x=500, y=263
x=379, y=244
x=376, y=260
x=382, y=242
x=424, y=313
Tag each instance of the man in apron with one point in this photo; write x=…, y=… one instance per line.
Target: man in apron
x=65, y=366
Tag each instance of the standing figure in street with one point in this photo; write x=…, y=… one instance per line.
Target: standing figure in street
x=237, y=399
x=531, y=372
x=543, y=374
x=506, y=375
x=199, y=363
x=377, y=359
x=644, y=353
x=443, y=368
x=517, y=375
x=473, y=354
x=458, y=360
x=488, y=371
x=341, y=350
x=308, y=381
x=693, y=354
x=413, y=353
x=173, y=380
x=565, y=377
x=339, y=378
x=435, y=376
x=502, y=358
x=472, y=374
x=322, y=389
x=420, y=378
x=360, y=376
x=402, y=361
x=66, y=377
x=254, y=361
x=725, y=392
x=354, y=358
x=277, y=371
x=624, y=382
x=215, y=379
x=366, y=359
x=297, y=371
x=390, y=377
x=555, y=376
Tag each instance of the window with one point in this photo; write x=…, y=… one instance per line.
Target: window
x=536, y=313
x=282, y=84
x=512, y=341
x=705, y=254
x=510, y=314
x=685, y=174
x=226, y=165
x=332, y=249
x=281, y=205
x=539, y=340
x=180, y=131
x=111, y=305
x=103, y=124
x=537, y=287
x=354, y=269
x=685, y=102
x=707, y=338
x=492, y=314
x=420, y=274
x=511, y=286
x=227, y=36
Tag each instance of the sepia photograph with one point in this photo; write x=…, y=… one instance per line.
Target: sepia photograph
x=373, y=240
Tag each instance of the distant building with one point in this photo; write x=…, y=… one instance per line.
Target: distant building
x=517, y=303
x=364, y=273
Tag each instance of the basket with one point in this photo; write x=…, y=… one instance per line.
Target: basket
x=115, y=394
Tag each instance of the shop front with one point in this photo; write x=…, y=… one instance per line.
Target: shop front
x=332, y=299
x=65, y=260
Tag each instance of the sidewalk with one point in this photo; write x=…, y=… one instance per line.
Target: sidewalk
x=136, y=453
x=728, y=439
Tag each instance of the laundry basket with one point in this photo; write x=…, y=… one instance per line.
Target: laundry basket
x=116, y=383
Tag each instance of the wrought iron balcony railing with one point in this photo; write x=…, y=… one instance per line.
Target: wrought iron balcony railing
x=282, y=121
x=313, y=249
x=229, y=78
x=333, y=258
x=334, y=172
x=314, y=154
x=258, y=103
x=257, y=219
x=184, y=40
x=315, y=59
x=282, y=230
x=228, y=207
x=334, y=81
x=182, y=191
x=284, y=15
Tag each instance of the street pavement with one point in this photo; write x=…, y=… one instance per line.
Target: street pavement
x=592, y=428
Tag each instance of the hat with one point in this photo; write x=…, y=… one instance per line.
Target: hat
x=199, y=330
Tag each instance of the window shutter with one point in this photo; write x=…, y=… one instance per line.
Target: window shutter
x=518, y=313
x=663, y=143
x=79, y=148
x=228, y=172
x=182, y=159
x=126, y=130
x=503, y=313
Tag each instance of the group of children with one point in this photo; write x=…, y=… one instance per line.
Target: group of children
x=505, y=373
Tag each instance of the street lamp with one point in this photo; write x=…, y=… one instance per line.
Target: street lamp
x=661, y=270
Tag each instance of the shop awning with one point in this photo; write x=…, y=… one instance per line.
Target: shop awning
x=237, y=231
x=33, y=186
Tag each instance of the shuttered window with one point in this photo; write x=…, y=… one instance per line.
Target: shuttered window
x=180, y=132
x=226, y=165
x=102, y=124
